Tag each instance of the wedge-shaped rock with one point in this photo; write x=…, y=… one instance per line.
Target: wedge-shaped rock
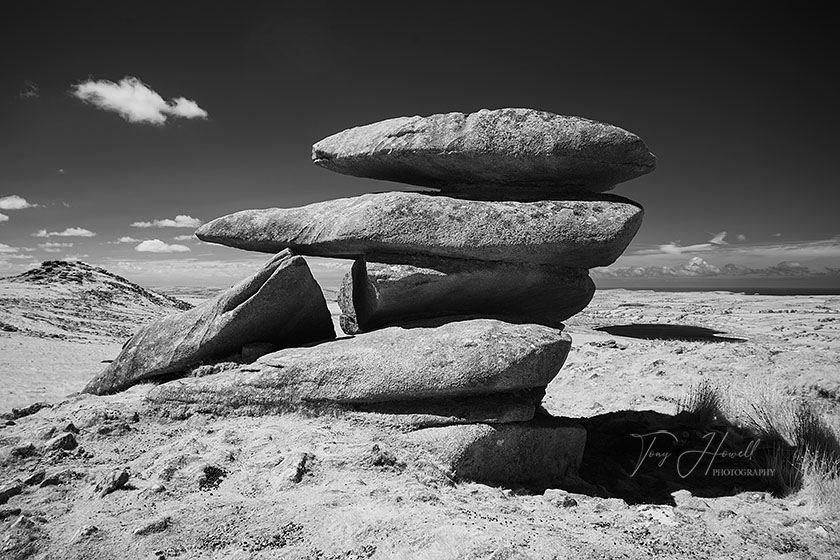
x=545, y=452
x=570, y=233
x=423, y=360
x=506, y=147
x=375, y=294
x=281, y=304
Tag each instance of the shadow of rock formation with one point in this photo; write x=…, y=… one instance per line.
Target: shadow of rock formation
x=652, y=331
x=645, y=456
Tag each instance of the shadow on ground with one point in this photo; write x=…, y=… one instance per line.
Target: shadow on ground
x=652, y=331
x=644, y=456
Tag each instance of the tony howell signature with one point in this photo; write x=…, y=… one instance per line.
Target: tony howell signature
x=688, y=461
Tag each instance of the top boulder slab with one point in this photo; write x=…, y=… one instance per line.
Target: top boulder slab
x=515, y=148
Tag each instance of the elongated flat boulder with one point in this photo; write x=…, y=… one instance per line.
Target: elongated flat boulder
x=281, y=304
x=504, y=147
x=545, y=452
x=424, y=360
x=376, y=294
x=569, y=233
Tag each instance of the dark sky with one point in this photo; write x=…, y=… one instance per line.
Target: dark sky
x=736, y=99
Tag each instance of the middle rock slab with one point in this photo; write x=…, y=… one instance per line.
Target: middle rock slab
x=377, y=294
x=425, y=360
x=569, y=233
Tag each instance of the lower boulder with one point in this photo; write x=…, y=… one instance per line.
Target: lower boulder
x=392, y=289
x=545, y=452
x=436, y=359
x=281, y=304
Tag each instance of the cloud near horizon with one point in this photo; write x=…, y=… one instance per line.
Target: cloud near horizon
x=4, y=218
x=674, y=248
x=135, y=102
x=158, y=246
x=824, y=253
x=180, y=221
x=698, y=267
x=68, y=232
x=15, y=202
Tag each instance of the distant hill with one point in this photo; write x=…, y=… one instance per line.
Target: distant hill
x=75, y=301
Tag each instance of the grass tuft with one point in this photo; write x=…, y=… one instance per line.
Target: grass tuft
x=800, y=449
x=703, y=405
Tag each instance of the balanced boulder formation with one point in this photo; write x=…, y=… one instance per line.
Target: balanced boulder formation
x=456, y=296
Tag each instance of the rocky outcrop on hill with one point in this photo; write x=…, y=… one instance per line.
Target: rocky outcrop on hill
x=74, y=300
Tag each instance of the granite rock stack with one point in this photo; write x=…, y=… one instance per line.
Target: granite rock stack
x=457, y=294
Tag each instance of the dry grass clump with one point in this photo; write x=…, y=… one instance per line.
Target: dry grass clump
x=703, y=404
x=801, y=449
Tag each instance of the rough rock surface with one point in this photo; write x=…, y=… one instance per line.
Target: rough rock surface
x=281, y=304
x=498, y=408
x=546, y=451
x=509, y=147
x=375, y=294
x=424, y=360
x=569, y=233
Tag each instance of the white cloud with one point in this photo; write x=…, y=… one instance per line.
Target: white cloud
x=180, y=221
x=51, y=247
x=74, y=257
x=718, y=239
x=11, y=263
x=127, y=239
x=69, y=232
x=7, y=249
x=29, y=90
x=674, y=248
x=4, y=218
x=187, y=108
x=185, y=238
x=186, y=270
x=697, y=267
x=817, y=255
x=14, y=202
x=202, y=270
x=741, y=237
x=158, y=246
x=135, y=101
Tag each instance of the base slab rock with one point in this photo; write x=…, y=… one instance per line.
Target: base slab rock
x=545, y=452
x=433, y=359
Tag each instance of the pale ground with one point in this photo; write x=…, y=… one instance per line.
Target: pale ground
x=225, y=485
